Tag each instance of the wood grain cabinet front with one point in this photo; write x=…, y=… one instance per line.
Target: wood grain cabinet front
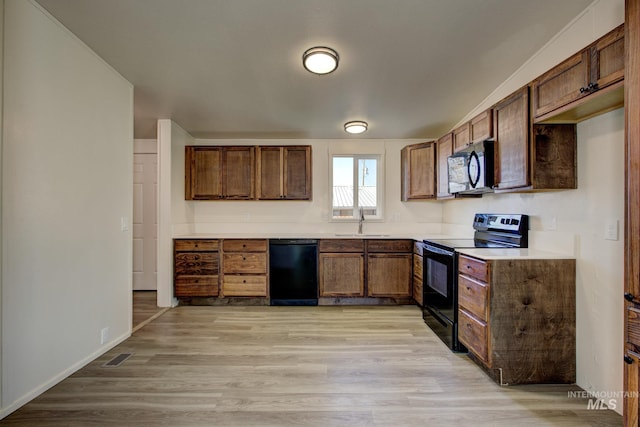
x=284, y=172
x=245, y=267
x=418, y=170
x=517, y=317
x=196, y=268
x=589, y=82
x=444, y=149
x=417, y=273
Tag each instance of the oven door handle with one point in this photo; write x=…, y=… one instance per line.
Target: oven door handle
x=438, y=251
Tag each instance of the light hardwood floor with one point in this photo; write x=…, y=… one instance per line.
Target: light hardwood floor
x=145, y=308
x=296, y=366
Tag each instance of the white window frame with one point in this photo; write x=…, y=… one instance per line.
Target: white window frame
x=379, y=187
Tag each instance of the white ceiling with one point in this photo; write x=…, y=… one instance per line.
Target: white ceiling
x=233, y=68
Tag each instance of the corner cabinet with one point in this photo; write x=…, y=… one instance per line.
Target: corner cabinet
x=215, y=173
x=418, y=171
x=517, y=317
x=531, y=157
x=561, y=94
x=284, y=172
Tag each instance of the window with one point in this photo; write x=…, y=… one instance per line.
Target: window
x=356, y=183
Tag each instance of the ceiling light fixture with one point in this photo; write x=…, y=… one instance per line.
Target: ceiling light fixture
x=320, y=60
x=355, y=127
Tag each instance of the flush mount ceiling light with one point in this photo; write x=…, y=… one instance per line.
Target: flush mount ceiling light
x=320, y=60
x=355, y=127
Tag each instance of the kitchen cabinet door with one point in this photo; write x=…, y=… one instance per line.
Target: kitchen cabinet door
x=238, y=172
x=418, y=163
x=389, y=275
x=444, y=149
x=631, y=388
x=607, y=59
x=341, y=274
x=511, y=130
x=284, y=172
x=481, y=126
x=461, y=137
x=203, y=174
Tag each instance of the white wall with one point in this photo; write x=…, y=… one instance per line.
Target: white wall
x=67, y=181
x=573, y=221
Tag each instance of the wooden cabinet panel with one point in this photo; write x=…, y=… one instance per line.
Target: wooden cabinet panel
x=473, y=334
x=197, y=245
x=196, y=267
x=461, y=137
x=284, y=172
x=473, y=267
x=511, y=130
x=194, y=286
x=607, y=59
x=341, y=274
x=444, y=149
x=213, y=172
x=244, y=286
x=417, y=266
x=238, y=173
x=472, y=296
x=389, y=246
x=418, y=164
x=245, y=263
x=632, y=388
x=203, y=175
x=297, y=173
x=341, y=245
x=244, y=245
x=270, y=165
x=417, y=278
x=481, y=126
x=389, y=275
x=191, y=263
x=561, y=85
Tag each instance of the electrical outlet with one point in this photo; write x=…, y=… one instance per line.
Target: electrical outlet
x=104, y=335
x=611, y=230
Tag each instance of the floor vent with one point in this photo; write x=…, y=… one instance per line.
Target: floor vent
x=117, y=361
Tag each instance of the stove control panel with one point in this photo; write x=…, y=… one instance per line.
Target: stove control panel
x=510, y=223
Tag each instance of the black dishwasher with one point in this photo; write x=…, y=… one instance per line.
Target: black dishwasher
x=293, y=271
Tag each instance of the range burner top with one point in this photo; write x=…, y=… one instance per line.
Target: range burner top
x=491, y=231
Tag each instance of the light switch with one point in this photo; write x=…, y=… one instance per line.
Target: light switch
x=611, y=230
x=124, y=223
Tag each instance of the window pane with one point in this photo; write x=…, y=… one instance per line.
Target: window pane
x=343, y=187
x=367, y=181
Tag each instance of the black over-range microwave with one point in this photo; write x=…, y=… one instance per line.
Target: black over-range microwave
x=471, y=169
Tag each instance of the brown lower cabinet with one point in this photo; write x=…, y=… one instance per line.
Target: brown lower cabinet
x=517, y=317
x=417, y=272
x=196, y=268
x=341, y=267
x=244, y=266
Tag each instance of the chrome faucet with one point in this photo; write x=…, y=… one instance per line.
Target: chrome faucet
x=361, y=220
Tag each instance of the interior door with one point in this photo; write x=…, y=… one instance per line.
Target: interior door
x=145, y=225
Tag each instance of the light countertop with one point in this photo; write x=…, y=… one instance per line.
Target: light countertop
x=512, y=253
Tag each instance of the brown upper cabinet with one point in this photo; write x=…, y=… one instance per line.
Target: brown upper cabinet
x=213, y=173
x=461, y=137
x=563, y=94
x=284, y=172
x=481, y=126
x=418, y=164
x=531, y=157
x=444, y=149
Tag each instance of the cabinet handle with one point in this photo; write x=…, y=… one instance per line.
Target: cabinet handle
x=628, y=296
x=244, y=259
x=628, y=360
x=583, y=89
x=244, y=281
x=592, y=86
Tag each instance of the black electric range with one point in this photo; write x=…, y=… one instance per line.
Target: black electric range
x=440, y=275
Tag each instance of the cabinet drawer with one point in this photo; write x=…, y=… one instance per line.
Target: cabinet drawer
x=244, y=286
x=341, y=245
x=472, y=296
x=473, y=267
x=244, y=245
x=249, y=263
x=387, y=246
x=473, y=334
x=196, y=286
x=196, y=245
x=196, y=263
x=417, y=266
